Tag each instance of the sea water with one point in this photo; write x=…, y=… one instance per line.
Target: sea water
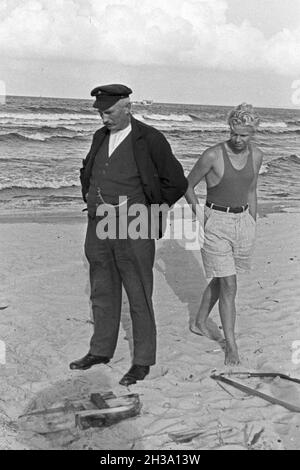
x=43, y=142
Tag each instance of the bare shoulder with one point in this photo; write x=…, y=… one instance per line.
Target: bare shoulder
x=205, y=163
x=212, y=154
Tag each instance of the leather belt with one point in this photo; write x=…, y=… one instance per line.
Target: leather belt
x=234, y=210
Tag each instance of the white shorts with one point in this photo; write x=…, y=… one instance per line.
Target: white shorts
x=228, y=242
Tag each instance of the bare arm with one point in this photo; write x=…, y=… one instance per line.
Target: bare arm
x=252, y=197
x=199, y=171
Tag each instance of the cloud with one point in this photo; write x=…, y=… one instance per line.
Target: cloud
x=184, y=33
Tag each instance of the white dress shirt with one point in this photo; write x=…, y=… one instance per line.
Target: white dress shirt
x=116, y=138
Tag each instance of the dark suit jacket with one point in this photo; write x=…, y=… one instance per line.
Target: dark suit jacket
x=161, y=173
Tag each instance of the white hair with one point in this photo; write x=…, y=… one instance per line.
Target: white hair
x=124, y=102
x=243, y=115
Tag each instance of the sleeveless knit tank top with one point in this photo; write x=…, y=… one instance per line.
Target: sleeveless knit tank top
x=233, y=189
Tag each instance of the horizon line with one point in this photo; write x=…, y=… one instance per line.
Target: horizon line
x=154, y=102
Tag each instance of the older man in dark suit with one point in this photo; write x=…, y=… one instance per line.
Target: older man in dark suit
x=127, y=159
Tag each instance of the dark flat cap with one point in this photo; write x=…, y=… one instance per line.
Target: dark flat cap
x=108, y=95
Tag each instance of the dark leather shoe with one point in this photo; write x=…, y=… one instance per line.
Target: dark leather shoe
x=135, y=373
x=88, y=361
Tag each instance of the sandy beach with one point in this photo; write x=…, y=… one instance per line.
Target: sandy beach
x=45, y=322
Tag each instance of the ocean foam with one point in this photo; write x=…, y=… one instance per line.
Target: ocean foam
x=271, y=125
x=264, y=169
x=16, y=117
x=22, y=184
x=167, y=117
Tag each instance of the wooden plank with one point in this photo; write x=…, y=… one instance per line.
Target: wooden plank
x=65, y=407
x=108, y=395
x=107, y=416
x=98, y=401
x=105, y=411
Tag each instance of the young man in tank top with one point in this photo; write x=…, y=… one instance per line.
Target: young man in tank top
x=231, y=170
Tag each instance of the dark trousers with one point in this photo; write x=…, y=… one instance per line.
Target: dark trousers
x=114, y=263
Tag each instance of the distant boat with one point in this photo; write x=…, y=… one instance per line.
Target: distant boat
x=143, y=102
x=147, y=102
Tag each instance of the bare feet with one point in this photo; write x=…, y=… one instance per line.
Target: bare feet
x=209, y=329
x=231, y=355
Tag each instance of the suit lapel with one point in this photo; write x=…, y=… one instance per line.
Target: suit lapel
x=142, y=158
x=139, y=147
x=97, y=144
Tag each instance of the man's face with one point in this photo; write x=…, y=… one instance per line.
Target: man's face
x=116, y=117
x=240, y=136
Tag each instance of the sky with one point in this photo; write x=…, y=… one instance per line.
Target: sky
x=180, y=51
